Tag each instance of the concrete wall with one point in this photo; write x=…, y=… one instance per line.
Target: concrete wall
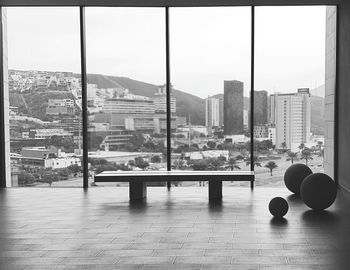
x=343, y=92
x=6, y=99
x=330, y=69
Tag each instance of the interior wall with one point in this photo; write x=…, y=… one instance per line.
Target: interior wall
x=343, y=92
x=330, y=85
x=5, y=132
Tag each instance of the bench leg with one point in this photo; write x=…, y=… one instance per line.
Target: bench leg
x=215, y=190
x=137, y=190
x=252, y=184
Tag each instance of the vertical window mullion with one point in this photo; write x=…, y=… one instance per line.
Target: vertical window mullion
x=168, y=90
x=2, y=110
x=84, y=98
x=252, y=59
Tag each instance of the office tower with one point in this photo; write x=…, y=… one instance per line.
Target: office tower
x=212, y=112
x=271, y=110
x=260, y=107
x=233, y=107
x=292, y=118
x=160, y=101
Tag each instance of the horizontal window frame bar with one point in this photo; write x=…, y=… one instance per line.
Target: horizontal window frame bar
x=162, y=3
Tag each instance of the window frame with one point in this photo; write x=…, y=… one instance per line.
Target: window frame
x=81, y=4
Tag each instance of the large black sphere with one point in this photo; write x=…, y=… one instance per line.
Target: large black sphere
x=318, y=191
x=294, y=176
x=278, y=207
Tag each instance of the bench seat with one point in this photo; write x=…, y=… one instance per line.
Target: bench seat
x=138, y=179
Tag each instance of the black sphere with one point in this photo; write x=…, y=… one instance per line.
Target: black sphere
x=318, y=191
x=294, y=176
x=278, y=207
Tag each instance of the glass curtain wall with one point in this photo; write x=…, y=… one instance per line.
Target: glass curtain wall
x=210, y=57
x=45, y=96
x=289, y=117
x=210, y=52
x=126, y=89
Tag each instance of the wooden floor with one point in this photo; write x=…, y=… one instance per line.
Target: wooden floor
x=67, y=228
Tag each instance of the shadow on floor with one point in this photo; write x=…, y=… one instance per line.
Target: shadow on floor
x=317, y=218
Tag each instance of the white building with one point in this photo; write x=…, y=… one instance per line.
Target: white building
x=212, y=112
x=160, y=102
x=272, y=135
x=245, y=119
x=291, y=118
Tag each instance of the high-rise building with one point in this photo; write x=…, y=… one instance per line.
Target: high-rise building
x=212, y=112
x=233, y=107
x=292, y=118
x=260, y=107
x=160, y=101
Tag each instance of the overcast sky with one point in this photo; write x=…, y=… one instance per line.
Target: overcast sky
x=208, y=45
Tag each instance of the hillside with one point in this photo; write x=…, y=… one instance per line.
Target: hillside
x=186, y=104
x=34, y=104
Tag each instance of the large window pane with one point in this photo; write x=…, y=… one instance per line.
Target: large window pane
x=210, y=73
x=126, y=92
x=45, y=96
x=289, y=124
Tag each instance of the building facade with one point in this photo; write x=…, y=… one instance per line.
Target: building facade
x=233, y=107
x=292, y=118
x=212, y=112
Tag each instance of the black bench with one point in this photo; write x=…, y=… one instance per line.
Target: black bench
x=138, y=179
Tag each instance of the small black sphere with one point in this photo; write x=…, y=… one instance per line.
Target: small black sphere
x=278, y=207
x=318, y=191
x=294, y=176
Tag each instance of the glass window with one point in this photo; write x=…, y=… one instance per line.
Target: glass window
x=289, y=122
x=126, y=91
x=45, y=96
x=210, y=75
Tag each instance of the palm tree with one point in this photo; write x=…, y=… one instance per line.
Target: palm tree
x=306, y=154
x=292, y=156
x=256, y=161
x=283, y=146
x=301, y=146
x=233, y=164
x=271, y=165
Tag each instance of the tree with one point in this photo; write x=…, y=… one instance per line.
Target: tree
x=63, y=173
x=256, y=161
x=271, y=165
x=214, y=164
x=292, y=156
x=56, y=141
x=179, y=164
x=74, y=169
x=301, y=146
x=284, y=146
x=105, y=167
x=199, y=165
x=25, y=179
x=222, y=158
x=233, y=164
x=211, y=144
x=156, y=159
x=306, y=154
x=49, y=176
x=141, y=163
